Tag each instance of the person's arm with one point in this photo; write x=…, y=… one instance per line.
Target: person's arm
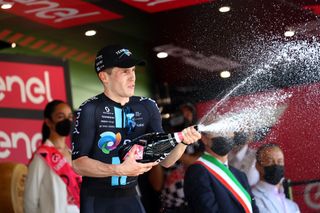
x=189, y=159
x=32, y=186
x=198, y=190
x=155, y=125
x=156, y=178
x=86, y=166
x=190, y=135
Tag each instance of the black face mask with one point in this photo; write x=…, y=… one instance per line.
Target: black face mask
x=273, y=174
x=63, y=127
x=222, y=146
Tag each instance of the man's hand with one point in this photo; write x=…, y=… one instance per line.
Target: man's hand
x=130, y=167
x=190, y=135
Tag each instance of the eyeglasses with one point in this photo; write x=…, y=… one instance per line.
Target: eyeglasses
x=130, y=124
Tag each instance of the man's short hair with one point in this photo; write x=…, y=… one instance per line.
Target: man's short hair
x=264, y=147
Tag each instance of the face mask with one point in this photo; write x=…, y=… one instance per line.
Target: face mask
x=273, y=174
x=221, y=146
x=63, y=127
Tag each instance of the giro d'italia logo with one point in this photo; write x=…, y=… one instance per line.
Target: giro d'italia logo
x=108, y=141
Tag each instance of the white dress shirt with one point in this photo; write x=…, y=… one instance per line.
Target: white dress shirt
x=270, y=199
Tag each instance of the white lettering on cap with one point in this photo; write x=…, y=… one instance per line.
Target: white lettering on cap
x=123, y=52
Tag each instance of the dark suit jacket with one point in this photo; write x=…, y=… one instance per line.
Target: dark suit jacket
x=204, y=193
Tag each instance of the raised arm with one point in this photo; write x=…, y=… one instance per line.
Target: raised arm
x=190, y=135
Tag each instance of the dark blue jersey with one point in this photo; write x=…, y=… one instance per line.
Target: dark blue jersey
x=101, y=127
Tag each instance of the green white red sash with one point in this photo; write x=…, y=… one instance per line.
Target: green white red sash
x=226, y=177
x=58, y=163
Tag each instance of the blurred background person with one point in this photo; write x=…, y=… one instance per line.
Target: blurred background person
x=268, y=192
x=243, y=156
x=162, y=188
x=172, y=194
x=211, y=185
x=52, y=186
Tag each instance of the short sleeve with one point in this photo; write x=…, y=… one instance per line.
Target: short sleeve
x=84, y=131
x=155, y=121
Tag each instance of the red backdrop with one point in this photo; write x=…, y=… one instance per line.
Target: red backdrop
x=27, y=84
x=297, y=132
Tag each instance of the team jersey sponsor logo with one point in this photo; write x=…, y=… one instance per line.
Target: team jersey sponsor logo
x=107, y=109
x=107, y=118
x=109, y=141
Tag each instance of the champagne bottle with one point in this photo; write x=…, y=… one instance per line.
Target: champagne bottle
x=151, y=147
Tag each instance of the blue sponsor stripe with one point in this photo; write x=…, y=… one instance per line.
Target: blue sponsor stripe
x=123, y=180
x=115, y=179
x=118, y=117
x=124, y=120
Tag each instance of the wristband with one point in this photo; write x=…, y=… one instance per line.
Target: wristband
x=184, y=143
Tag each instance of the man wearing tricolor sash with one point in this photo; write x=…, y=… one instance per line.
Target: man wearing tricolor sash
x=213, y=186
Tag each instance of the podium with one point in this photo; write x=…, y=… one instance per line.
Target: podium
x=12, y=181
